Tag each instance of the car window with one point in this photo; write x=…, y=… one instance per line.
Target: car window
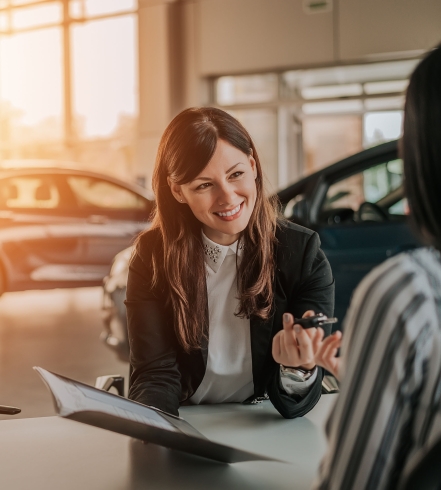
x=97, y=193
x=29, y=192
x=374, y=194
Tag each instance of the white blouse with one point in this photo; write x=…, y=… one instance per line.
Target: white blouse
x=229, y=374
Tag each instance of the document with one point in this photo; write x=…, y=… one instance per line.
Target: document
x=83, y=403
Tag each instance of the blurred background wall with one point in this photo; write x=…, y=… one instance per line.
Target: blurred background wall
x=97, y=81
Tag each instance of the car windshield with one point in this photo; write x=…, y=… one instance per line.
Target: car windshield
x=380, y=187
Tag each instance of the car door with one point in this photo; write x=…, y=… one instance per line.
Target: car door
x=362, y=220
x=113, y=216
x=32, y=206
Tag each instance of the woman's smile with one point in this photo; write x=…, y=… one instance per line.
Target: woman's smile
x=231, y=214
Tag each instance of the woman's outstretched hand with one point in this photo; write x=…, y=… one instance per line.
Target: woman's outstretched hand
x=326, y=351
x=293, y=346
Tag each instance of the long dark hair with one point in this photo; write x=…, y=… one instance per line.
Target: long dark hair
x=421, y=147
x=186, y=147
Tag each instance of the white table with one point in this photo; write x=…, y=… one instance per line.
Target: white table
x=51, y=453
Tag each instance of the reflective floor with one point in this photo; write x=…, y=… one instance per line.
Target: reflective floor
x=58, y=330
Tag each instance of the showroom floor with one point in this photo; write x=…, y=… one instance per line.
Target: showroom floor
x=58, y=330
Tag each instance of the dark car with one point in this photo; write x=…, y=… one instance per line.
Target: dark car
x=61, y=227
x=356, y=206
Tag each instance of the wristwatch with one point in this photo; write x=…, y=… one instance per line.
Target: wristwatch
x=297, y=374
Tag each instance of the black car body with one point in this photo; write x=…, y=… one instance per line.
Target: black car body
x=356, y=206
x=61, y=227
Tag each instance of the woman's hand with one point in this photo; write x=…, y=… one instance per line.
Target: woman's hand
x=326, y=351
x=293, y=346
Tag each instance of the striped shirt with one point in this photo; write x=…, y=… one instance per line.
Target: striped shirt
x=388, y=412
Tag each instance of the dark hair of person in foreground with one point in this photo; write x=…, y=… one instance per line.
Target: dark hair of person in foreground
x=421, y=148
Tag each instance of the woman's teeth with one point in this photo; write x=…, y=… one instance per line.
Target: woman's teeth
x=230, y=213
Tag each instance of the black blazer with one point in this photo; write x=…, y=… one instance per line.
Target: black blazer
x=164, y=376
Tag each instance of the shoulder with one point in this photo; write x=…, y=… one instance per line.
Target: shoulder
x=398, y=290
x=292, y=236
x=298, y=253
x=148, y=243
x=409, y=270
x=147, y=251
x=140, y=282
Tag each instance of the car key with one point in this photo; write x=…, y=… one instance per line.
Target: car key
x=314, y=321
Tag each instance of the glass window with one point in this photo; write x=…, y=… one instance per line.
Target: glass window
x=381, y=77
x=386, y=87
x=379, y=127
x=31, y=88
x=376, y=194
x=327, y=139
x=332, y=91
x=4, y=22
x=29, y=192
x=333, y=107
x=96, y=193
x=246, y=89
x=39, y=15
x=104, y=78
x=80, y=8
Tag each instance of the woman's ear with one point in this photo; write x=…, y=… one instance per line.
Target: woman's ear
x=253, y=165
x=175, y=190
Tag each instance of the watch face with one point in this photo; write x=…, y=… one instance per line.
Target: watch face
x=294, y=377
x=294, y=374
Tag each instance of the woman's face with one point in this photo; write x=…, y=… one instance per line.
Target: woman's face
x=223, y=195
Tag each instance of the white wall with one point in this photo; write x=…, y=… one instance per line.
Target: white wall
x=253, y=35
x=383, y=28
x=258, y=35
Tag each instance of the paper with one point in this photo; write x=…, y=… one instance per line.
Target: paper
x=73, y=397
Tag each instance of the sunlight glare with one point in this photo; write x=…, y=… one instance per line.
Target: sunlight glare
x=31, y=74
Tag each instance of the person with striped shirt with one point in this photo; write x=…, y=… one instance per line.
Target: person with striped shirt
x=388, y=413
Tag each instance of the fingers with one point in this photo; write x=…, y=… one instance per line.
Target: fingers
x=332, y=346
x=308, y=313
x=326, y=350
x=293, y=346
x=317, y=341
x=288, y=324
x=285, y=348
x=304, y=340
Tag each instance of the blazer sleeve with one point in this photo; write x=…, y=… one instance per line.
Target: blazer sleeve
x=154, y=375
x=314, y=291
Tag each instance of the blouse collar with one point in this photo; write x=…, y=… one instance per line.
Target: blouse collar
x=214, y=253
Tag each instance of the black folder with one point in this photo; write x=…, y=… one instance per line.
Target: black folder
x=83, y=403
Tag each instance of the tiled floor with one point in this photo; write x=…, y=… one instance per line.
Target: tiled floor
x=58, y=330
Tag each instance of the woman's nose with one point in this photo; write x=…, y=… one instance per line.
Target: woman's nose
x=225, y=195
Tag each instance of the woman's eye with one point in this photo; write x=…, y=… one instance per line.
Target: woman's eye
x=203, y=186
x=236, y=175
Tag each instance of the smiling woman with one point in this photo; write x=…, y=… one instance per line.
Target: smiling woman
x=212, y=279
x=223, y=198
